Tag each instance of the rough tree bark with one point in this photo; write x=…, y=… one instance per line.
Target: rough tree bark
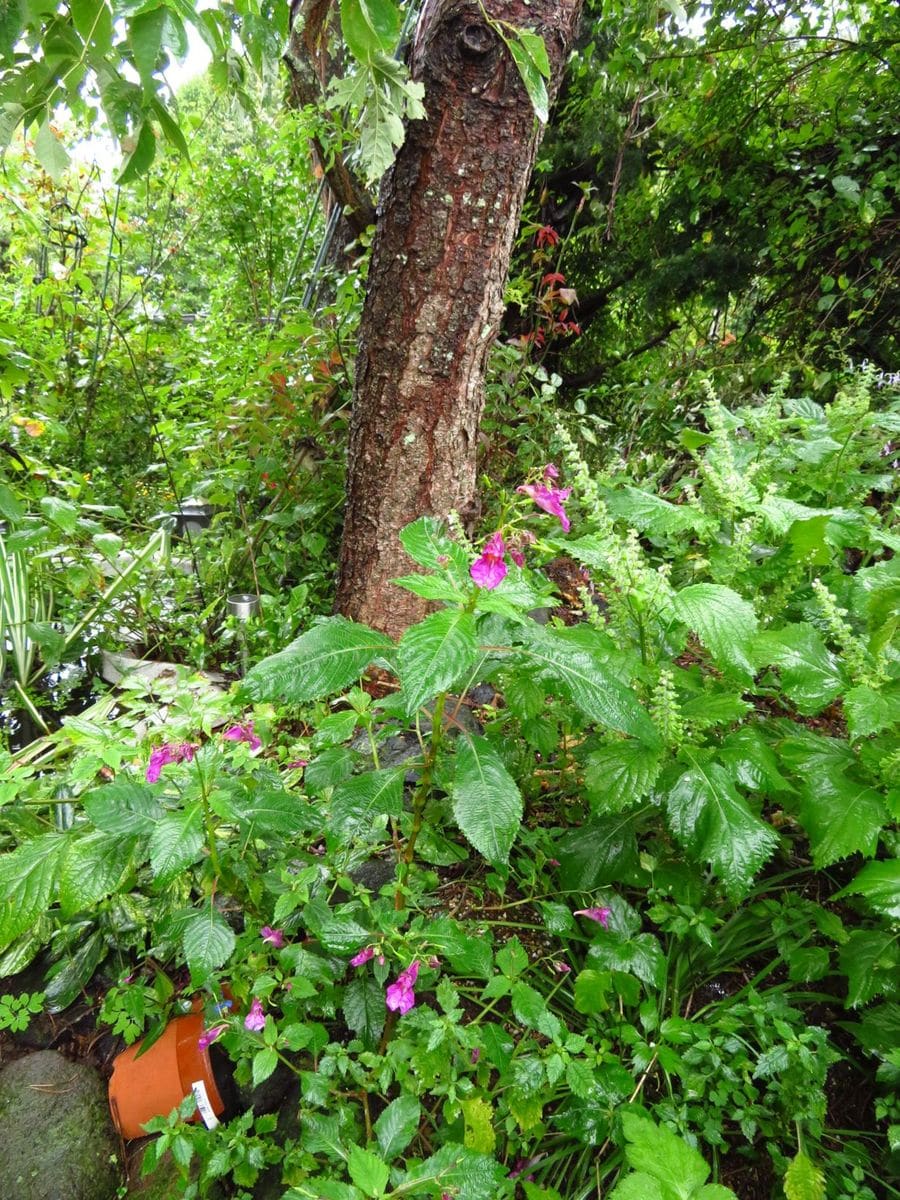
x=448, y=213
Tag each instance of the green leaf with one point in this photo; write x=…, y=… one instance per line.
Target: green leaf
x=370, y=27
x=436, y=653
x=840, y=817
x=724, y=621
x=358, y=801
x=879, y=883
x=321, y=662
x=171, y=129
x=620, y=776
x=208, y=942
x=27, y=879
x=62, y=513
x=269, y=812
x=145, y=36
x=592, y=991
x=638, y=1186
x=397, y=1125
x=175, y=843
x=714, y=823
x=487, y=804
x=588, y=683
x=523, y=46
x=427, y=543
x=640, y=955
x=264, y=1063
x=601, y=852
x=664, y=1156
x=869, y=712
x=10, y=116
x=142, y=151
x=368, y=1171
x=432, y=587
x=810, y=675
x=648, y=512
x=93, y=20
x=478, y=1117
x=123, y=807
x=871, y=961
x=92, y=870
x=465, y=1174
x=50, y=154
x=803, y=1180
x=364, y=1008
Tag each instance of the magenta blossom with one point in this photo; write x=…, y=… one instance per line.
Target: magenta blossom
x=490, y=570
x=561, y=968
x=208, y=1036
x=549, y=498
x=255, y=1019
x=601, y=915
x=243, y=733
x=475, y=1055
x=517, y=556
x=400, y=996
x=550, y=472
x=273, y=936
x=362, y=957
x=168, y=752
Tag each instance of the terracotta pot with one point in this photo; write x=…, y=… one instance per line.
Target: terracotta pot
x=150, y=1085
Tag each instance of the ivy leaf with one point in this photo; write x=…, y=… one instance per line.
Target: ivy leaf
x=803, y=1180
x=324, y=660
x=397, y=1125
x=50, y=153
x=724, y=621
x=620, y=776
x=487, y=804
x=435, y=653
x=713, y=822
x=586, y=680
x=208, y=943
x=364, y=1012
x=530, y=56
x=27, y=879
x=358, y=801
x=810, y=675
x=840, y=817
x=176, y=843
x=369, y=27
x=879, y=884
x=91, y=870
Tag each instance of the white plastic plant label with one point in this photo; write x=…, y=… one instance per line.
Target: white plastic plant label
x=204, y=1108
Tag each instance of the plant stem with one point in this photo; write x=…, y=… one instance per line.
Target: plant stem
x=420, y=797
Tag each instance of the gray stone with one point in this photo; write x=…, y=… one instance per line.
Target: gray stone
x=56, y=1134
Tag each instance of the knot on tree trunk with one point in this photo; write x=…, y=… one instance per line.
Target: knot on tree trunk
x=476, y=40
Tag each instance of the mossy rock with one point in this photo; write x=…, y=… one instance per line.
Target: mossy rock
x=56, y=1134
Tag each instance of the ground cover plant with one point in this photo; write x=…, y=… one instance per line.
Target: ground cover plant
x=678, y=926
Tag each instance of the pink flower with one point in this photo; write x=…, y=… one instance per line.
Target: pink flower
x=273, y=936
x=255, y=1019
x=517, y=556
x=600, y=915
x=547, y=236
x=434, y=962
x=561, y=968
x=362, y=957
x=489, y=570
x=243, y=733
x=552, y=862
x=208, y=1036
x=168, y=752
x=298, y=764
x=550, y=472
x=550, y=499
x=474, y=1056
x=400, y=996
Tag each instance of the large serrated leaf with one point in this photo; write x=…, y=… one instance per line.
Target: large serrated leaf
x=358, y=801
x=803, y=1180
x=841, y=817
x=436, y=653
x=640, y=955
x=648, y=512
x=588, y=683
x=321, y=662
x=27, y=878
x=664, y=1156
x=724, y=621
x=487, y=804
x=714, y=823
x=428, y=543
x=176, y=843
x=364, y=1009
x=398, y=1123
x=92, y=870
x=123, y=807
x=810, y=674
x=598, y=853
x=869, y=712
x=208, y=941
x=879, y=884
x=871, y=961
x=620, y=776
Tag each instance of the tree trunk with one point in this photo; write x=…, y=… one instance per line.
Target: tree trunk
x=448, y=213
